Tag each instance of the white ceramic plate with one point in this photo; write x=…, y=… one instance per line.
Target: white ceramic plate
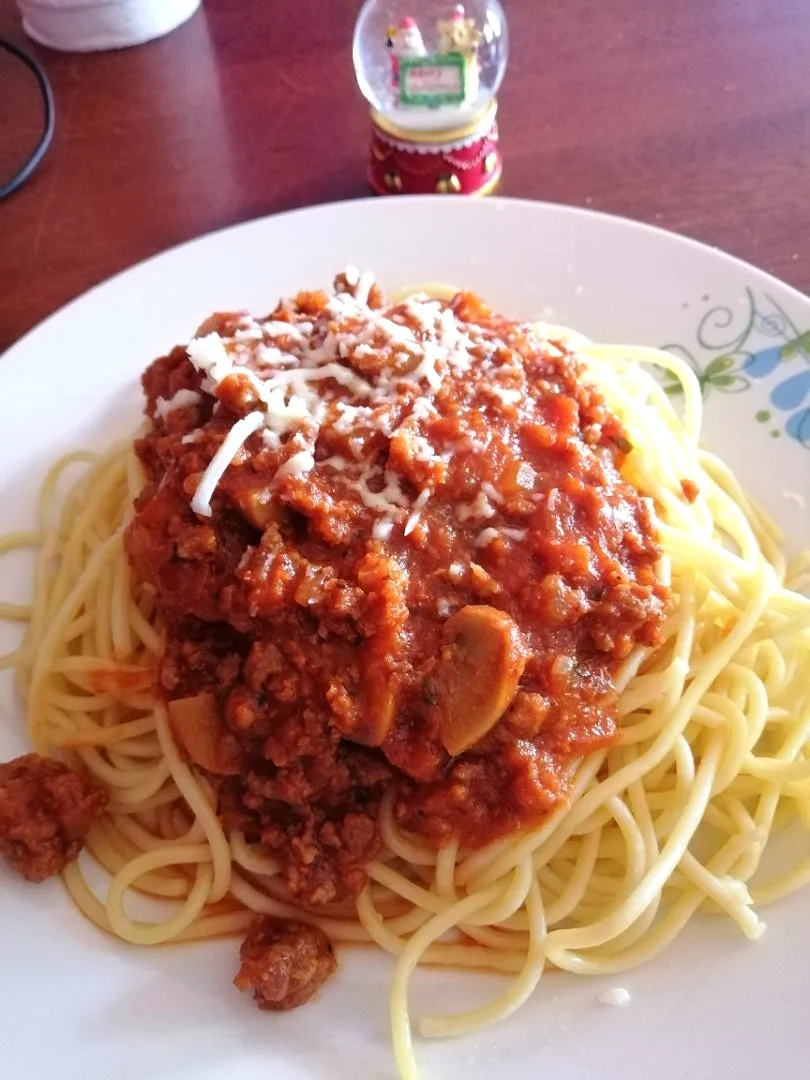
x=76, y=1005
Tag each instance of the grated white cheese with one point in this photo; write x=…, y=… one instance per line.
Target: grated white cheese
x=231, y=445
x=395, y=332
x=390, y=498
x=486, y=536
x=423, y=408
x=298, y=465
x=363, y=287
x=449, y=334
x=385, y=423
x=526, y=475
x=423, y=337
x=505, y=395
x=336, y=461
x=345, y=376
x=179, y=400
x=352, y=275
x=281, y=415
x=456, y=571
x=209, y=355
x=252, y=332
x=270, y=356
x=278, y=328
x=426, y=368
x=424, y=449
x=348, y=417
x=419, y=503
x=423, y=312
x=481, y=507
x=382, y=529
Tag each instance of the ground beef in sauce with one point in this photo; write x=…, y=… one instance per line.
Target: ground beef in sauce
x=46, y=810
x=284, y=963
x=457, y=462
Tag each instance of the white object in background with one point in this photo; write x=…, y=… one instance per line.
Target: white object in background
x=93, y=25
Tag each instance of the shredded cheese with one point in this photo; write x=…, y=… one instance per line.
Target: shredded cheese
x=180, y=400
x=278, y=328
x=231, y=445
x=505, y=395
x=486, y=536
x=363, y=287
x=298, y=465
x=251, y=332
x=481, y=507
x=426, y=368
x=270, y=356
x=390, y=498
x=421, y=499
x=382, y=529
x=209, y=354
x=422, y=340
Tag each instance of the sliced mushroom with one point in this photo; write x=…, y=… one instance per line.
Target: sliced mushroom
x=478, y=673
x=380, y=696
x=200, y=729
x=379, y=708
x=258, y=506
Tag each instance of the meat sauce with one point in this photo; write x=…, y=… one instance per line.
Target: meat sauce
x=420, y=571
x=46, y=811
x=284, y=963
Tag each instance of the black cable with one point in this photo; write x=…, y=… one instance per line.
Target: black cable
x=50, y=112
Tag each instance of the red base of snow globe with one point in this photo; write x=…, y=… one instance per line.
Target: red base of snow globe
x=464, y=161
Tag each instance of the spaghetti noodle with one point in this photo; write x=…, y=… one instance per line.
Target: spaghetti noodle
x=710, y=762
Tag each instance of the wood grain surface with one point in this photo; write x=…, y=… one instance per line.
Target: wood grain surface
x=690, y=114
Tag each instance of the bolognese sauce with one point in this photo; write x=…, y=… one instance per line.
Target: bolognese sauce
x=391, y=551
x=46, y=811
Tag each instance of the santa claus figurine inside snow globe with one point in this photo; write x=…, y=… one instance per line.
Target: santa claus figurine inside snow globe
x=430, y=74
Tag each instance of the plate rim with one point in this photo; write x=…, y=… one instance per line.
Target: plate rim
x=566, y=209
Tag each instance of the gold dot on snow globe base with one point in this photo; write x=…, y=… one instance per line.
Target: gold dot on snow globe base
x=430, y=72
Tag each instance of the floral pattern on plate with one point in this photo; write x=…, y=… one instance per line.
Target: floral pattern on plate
x=749, y=342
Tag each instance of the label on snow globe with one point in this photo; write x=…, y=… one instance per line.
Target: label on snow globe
x=434, y=67
x=433, y=81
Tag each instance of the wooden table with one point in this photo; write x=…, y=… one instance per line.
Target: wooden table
x=691, y=114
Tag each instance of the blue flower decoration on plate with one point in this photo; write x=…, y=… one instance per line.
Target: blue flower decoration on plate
x=754, y=341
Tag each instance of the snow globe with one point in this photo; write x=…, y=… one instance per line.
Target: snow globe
x=430, y=72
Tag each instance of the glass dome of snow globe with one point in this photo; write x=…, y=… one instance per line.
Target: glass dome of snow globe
x=429, y=66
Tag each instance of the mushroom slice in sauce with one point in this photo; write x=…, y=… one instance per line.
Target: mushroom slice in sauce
x=478, y=674
x=201, y=731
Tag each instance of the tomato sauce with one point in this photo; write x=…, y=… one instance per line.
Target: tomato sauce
x=426, y=543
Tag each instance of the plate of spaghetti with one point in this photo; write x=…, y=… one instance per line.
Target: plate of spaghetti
x=413, y=637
